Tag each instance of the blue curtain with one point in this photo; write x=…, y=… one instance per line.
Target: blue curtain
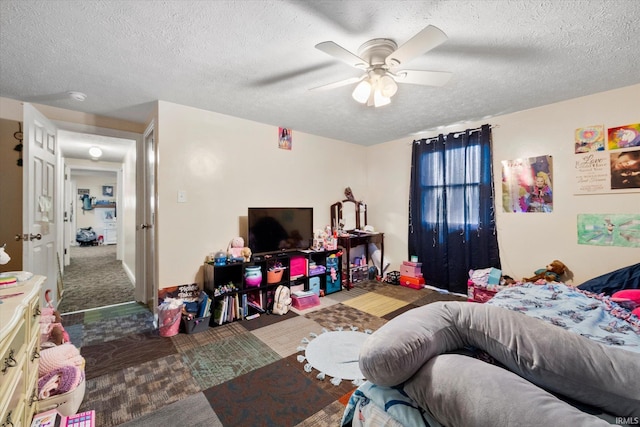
x=452, y=225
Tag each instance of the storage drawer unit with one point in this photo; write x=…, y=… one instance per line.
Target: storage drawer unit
x=19, y=347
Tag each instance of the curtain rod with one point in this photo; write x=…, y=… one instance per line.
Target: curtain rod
x=455, y=134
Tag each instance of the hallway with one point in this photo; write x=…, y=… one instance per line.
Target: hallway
x=95, y=278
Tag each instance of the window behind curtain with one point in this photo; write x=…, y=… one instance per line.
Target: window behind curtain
x=452, y=223
x=462, y=185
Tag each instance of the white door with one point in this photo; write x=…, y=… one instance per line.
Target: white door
x=146, y=287
x=39, y=229
x=68, y=210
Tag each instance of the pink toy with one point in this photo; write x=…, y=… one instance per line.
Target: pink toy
x=629, y=298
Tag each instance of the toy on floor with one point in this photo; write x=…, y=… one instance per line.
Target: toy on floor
x=551, y=273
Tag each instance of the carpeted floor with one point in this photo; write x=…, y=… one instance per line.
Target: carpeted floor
x=94, y=278
x=244, y=373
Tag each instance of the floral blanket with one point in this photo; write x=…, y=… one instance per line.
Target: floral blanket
x=593, y=316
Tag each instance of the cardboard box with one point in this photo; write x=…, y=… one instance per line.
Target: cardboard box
x=410, y=270
x=412, y=282
x=412, y=264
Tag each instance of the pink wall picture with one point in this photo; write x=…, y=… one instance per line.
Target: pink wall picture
x=624, y=136
x=284, y=138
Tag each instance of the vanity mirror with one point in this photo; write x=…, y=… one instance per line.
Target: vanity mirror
x=348, y=215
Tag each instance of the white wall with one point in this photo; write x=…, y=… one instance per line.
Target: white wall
x=94, y=183
x=527, y=241
x=225, y=165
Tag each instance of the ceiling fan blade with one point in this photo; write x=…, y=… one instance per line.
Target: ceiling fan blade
x=339, y=83
x=342, y=54
x=423, y=77
x=427, y=39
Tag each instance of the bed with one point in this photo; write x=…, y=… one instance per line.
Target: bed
x=535, y=354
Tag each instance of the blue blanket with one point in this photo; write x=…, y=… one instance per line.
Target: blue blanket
x=593, y=316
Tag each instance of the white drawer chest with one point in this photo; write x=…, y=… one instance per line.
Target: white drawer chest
x=19, y=352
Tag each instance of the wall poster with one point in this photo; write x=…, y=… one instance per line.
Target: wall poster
x=527, y=185
x=589, y=139
x=607, y=168
x=284, y=138
x=609, y=230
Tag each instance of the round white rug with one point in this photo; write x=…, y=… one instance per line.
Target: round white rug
x=336, y=354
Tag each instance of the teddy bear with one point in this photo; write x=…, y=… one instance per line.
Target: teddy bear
x=551, y=273
x=246, y=253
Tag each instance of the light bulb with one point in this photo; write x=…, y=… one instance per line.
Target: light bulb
x=95, y=152
x=388, y=86
x=362, y=91
x=379, y=100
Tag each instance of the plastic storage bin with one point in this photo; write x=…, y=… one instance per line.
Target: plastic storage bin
x=193, y=326
x=67, y=403
x=274, y=276
x=314, y=285
x=169, y=321
x=304, y=300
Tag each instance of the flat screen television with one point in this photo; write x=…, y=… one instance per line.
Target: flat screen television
x=279, y=229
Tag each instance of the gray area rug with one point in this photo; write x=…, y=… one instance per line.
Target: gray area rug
x=95, y=278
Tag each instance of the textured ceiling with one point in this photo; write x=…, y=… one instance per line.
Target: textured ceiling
x=256, y=59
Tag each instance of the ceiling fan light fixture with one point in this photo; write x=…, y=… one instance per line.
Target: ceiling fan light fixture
x=95, y=152
x=379, y=100
x=362, y=91
x=77, y=96
x=388, y=86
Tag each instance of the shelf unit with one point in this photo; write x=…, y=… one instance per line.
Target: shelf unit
x=357, y=273
x=219, y=278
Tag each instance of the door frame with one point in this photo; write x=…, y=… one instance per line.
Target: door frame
x=146, y=219
x=141, y=165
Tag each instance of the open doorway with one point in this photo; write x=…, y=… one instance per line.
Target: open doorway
x=99, y=213
x=95, y=274
x=135, y=216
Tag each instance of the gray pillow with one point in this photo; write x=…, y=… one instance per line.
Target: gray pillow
x=463, y=391
x=544, y=354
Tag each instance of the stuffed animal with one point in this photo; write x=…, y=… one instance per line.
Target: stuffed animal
x=51, y=330
x=246, y=253
x=551, y=273
x=4, y=257
x=235, y=247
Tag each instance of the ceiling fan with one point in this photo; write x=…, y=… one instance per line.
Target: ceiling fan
x=382, y=60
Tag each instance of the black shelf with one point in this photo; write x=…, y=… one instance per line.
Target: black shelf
x=217, y=276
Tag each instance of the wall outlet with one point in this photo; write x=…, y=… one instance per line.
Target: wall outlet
x=182, y=196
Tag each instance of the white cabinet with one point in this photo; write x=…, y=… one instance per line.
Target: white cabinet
x=19, y=352
x=110, y=235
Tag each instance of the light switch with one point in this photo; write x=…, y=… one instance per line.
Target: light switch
x=182, y=196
